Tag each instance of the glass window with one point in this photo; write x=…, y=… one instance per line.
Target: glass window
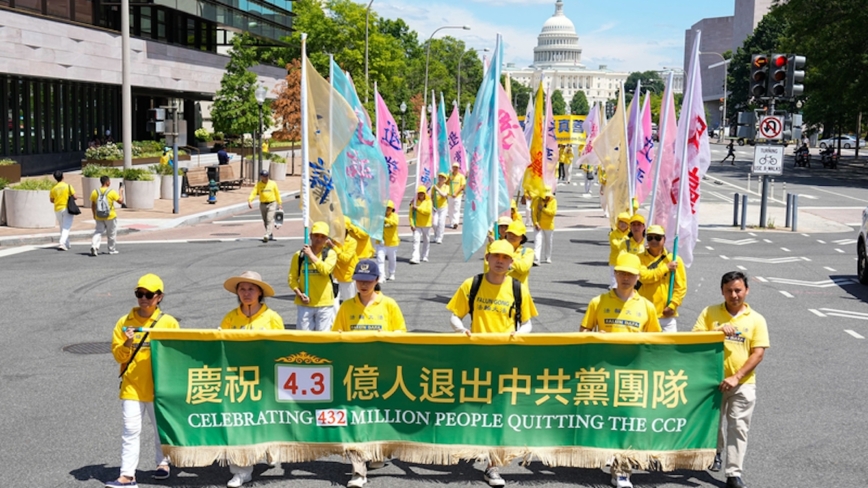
x=58, y=8
x=161, y=25
x=145, y=21
x=84, y=11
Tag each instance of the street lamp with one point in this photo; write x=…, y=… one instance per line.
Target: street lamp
x=724, y=62
x=428, y=54
x=403, y=109
x=367, y=14
x=459, y=72
x=260, y=99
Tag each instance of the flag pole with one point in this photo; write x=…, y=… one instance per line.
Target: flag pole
x=495, y=164
x=376, y=112
x=305, y=156
x=661, y=137
x=633, y=163
x=627, y=139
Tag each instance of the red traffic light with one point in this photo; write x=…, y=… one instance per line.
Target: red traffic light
x=779, y=61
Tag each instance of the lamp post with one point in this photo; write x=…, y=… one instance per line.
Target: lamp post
x=428, y=54
x=458, y=78
x=724, y=62
x=260, y=99
x=367, y=14
x=403, y=109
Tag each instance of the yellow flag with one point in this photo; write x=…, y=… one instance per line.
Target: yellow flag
x=533, y=182
x=331, y=123
x=611, y=149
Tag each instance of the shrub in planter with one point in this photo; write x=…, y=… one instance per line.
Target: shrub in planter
x=28, y=204
x=91, y=173
x=203, y=135
x=105, y=152
x=277, y=165
x=10, y=170
x=139, y=188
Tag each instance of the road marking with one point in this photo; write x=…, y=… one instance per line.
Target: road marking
x=821, y=241
x=805, y=259
x=830, y=269
x=751, y=234
x=18, y=250
x=816, y=312
x=788, y=295
x=768, y=241
x=840, y=250
x=741, y=242
x=724, y=257
x=741, y=267
x=854, y=334
x=760, y=278
x=845, y=242
x=837, y=194
x=809, y=197
x=845, y=314
x=806, y=235
x=709, y=248
x=814, y=284
x=783, y=260
x=720, y=196
x=784, y=249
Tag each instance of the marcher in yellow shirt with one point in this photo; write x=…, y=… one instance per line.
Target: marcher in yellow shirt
x=104, y=225
x=457, y=182
x=635, y=241
x=420, y=223
x=616, y=238
x=654, y=277
x=543, y=210
x=364, y=247
x=568, y=163
x=490, y=311
x=315, y=306
x=513, y=211
x=252, y=314
x=346, y=263
x=132, y=349
x=621, y=309
x=388, y=249
x=440, y=192
x=59, y=196
x=747, y=338
x=269, y=202
x=522, y=260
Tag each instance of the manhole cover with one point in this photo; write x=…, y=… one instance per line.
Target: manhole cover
x=89, y=348
x=225, y=234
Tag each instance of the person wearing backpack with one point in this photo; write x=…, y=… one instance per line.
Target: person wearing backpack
x=315, y=303
x=653, y=284
x=102, y=203
x=497, y=304
x=60, y=195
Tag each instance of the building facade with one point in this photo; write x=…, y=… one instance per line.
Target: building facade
x=557, y=63
x=60, y=68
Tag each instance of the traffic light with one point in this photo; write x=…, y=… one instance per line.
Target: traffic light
x=759, y=69
x=778, y=77
x=795, y=75
x=156, y=120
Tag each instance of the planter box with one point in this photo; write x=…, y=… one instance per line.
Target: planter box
x=166, y=186
x=88, y=185
x=277, y=170
x=29, y=209
x=119, y=163
x=11, y=172
x=2, y=209
x=139, y=195
x=158, y=183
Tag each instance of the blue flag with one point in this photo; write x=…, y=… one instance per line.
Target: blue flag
x=360, y=172
x=486, y=187
x=445, y=163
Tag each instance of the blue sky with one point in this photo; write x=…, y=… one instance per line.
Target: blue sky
x=626, y=35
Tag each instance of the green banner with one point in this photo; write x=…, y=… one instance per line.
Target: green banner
x=566, y=399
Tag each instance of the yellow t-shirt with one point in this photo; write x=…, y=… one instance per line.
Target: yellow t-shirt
x=440, y=201
x=390, y=231
x=492, y=311
x=616, y=238
x=631, y=246
x=421, y=217
x=364, y=248
x=608, y=313
x=754, y=332
x=138, y=381
x=543, y=215
x=60, y=193
x=456, y=184
x=383, y=314
x=264, y=319
x=319, y=279
x=112, y=197
x=347, y=260
x=267, y=192
x=655, y=283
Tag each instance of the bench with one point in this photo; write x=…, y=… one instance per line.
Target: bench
x=196, y=181
x=228, y=181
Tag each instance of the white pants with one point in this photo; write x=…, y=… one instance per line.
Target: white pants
x=64, y=220
x=315, y=318
x=133, y=411
x=439, y=223
x=242, y=470
x=588, y=182
x=346, y=291
x=668, y=324
x=422, y=235
x=613, y=283
x=542, y=244
x=528, y=220
x=108, y=227
x=568, y=169
x=736, y=410
x=454, y=210
x=387, y=253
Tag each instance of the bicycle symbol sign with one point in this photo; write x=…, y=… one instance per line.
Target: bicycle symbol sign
x=771, y=127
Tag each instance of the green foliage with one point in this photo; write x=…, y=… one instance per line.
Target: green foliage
x=766, y=38
x=106, y=152
x=96, y=170
x=520, y=96
x=138, y=174
x=34, y=184
x=279, y=144
x=235, y=109
x=650, y=80
x=161, y=169
x=7, y=162
x=203, y=135
x=579, y=104
x=559, y=105
x=277, y=158
x=3, y=183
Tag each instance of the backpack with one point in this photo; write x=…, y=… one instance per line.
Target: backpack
x=323, y=256
x=515, y=309
x=103, y=209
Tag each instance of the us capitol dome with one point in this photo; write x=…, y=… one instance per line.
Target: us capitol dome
x=557, y=56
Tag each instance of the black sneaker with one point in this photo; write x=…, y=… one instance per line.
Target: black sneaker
x=716, y=465
x=735, y=482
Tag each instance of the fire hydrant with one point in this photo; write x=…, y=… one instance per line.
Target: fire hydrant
x=213, y=188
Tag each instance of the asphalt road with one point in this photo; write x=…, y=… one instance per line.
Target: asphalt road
x=61, y=420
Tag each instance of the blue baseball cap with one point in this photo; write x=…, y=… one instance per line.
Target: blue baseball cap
x=367, y=270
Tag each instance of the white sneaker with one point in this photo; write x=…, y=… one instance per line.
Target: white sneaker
x=413, y=261
x=113, y=251
x=548, y=261
x=424, y=260
x=93, y=251
x=62, y=248
x=376, y=465
x=492, y=476
x=358, y=481
x=238, y=480
x=621, y=481
x=391, y=278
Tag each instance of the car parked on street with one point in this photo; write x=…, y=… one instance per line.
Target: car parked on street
x=847, y=142
x=861, y=255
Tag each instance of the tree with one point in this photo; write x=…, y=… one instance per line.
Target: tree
x=235, y=110
x=559, y=105
x=520, y=96
x=579, y=104
x=650, y=80
x=287, y=106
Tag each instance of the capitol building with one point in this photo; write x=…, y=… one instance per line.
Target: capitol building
x=558, y=57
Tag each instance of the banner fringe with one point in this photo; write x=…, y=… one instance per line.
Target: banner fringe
x=436, y=454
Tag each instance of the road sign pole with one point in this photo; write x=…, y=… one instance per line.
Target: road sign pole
x=764, y=201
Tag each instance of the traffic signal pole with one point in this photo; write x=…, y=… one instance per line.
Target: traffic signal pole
x=764, y=197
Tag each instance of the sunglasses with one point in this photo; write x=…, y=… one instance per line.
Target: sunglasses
x=146, y=294
x=654, y=238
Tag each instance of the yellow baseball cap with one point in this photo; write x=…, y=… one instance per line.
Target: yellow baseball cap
x=517, y=227
x=656, y=230
x=456, y=165
x=504, y=220
x=443, y=174
x=628, y=263
x=624, y=216
x=321, y=228
x=637, y=218
x=151, y=282
x=513, y=205
x=502, y=247
x=390, y=204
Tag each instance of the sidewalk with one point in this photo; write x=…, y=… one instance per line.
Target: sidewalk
x=192, y=210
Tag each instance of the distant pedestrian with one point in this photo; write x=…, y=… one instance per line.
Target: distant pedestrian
x=439, y=193
x=730, y=153
x=457, y=181
x=314, y=297
x=59, y=196
x=269, y=202
x=102, y=204
x=223, y=157
x=544, y=208
x=387, y=250
x=131, y=349
x=421, y=208
x=568, y=163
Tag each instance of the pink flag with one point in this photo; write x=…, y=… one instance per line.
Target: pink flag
x=664, y=205
x=692, y=141
x=514, y=153
x=424, y=158
x=393, y=149
x=592, y=130
x=550, y=171
x=435, y=132
x=453, y=137
x=645, y=155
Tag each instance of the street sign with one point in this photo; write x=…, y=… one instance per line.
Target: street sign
x=768, y=160
x=771, y=127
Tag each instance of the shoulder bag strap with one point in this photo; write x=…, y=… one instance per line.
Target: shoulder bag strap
x=141, y=343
